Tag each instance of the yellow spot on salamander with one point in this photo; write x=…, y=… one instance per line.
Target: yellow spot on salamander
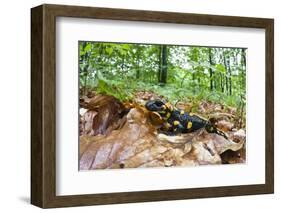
x=167, y=125
x=189, y=125
x=176, y=123
x=182, y=112
x=169, y=106
x=167, y=116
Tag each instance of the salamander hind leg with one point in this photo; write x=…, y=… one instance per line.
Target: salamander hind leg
x=211, y=129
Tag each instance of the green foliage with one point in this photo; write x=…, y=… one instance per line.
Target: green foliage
x=191, y=73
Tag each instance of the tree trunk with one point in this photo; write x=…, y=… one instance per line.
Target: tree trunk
x=222, y=83
x=163, y=75
x=244, y=68
x=229, y=75
x=123, y=63
x=86, y=79
x=159, y=63
x=210, y=69
x=244, y=56
x=226, y=77
x=138, y=62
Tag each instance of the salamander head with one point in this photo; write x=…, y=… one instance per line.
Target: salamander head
x=155, y=105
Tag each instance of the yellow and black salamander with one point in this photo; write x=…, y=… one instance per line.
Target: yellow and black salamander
x=179, y=121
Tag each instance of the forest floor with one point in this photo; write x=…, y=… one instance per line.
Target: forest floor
x=123, y=135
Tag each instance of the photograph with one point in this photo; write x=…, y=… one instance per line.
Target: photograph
x=143, y=105
x=160, y=105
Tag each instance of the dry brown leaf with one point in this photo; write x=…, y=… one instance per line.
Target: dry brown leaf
x=184, y=106
x=104, y=114
x=86, y=123
x=224, y=125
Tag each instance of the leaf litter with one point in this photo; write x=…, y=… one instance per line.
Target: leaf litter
x=115, y=135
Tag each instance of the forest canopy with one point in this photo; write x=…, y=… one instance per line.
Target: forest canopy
x=185, y=73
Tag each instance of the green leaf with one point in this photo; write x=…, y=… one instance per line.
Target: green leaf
x=109, y=50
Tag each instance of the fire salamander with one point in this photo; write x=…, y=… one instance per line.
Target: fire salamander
x=179, y=121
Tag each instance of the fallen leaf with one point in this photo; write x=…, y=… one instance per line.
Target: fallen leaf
x=104, y=114
x=224, y=125
x=86, y=123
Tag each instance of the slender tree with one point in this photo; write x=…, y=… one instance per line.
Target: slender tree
x=210, y=68
x=229, y=74
x=164, y=67
x=138, y=61
x=226, y=76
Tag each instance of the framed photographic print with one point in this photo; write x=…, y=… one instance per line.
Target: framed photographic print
x=136, y=106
